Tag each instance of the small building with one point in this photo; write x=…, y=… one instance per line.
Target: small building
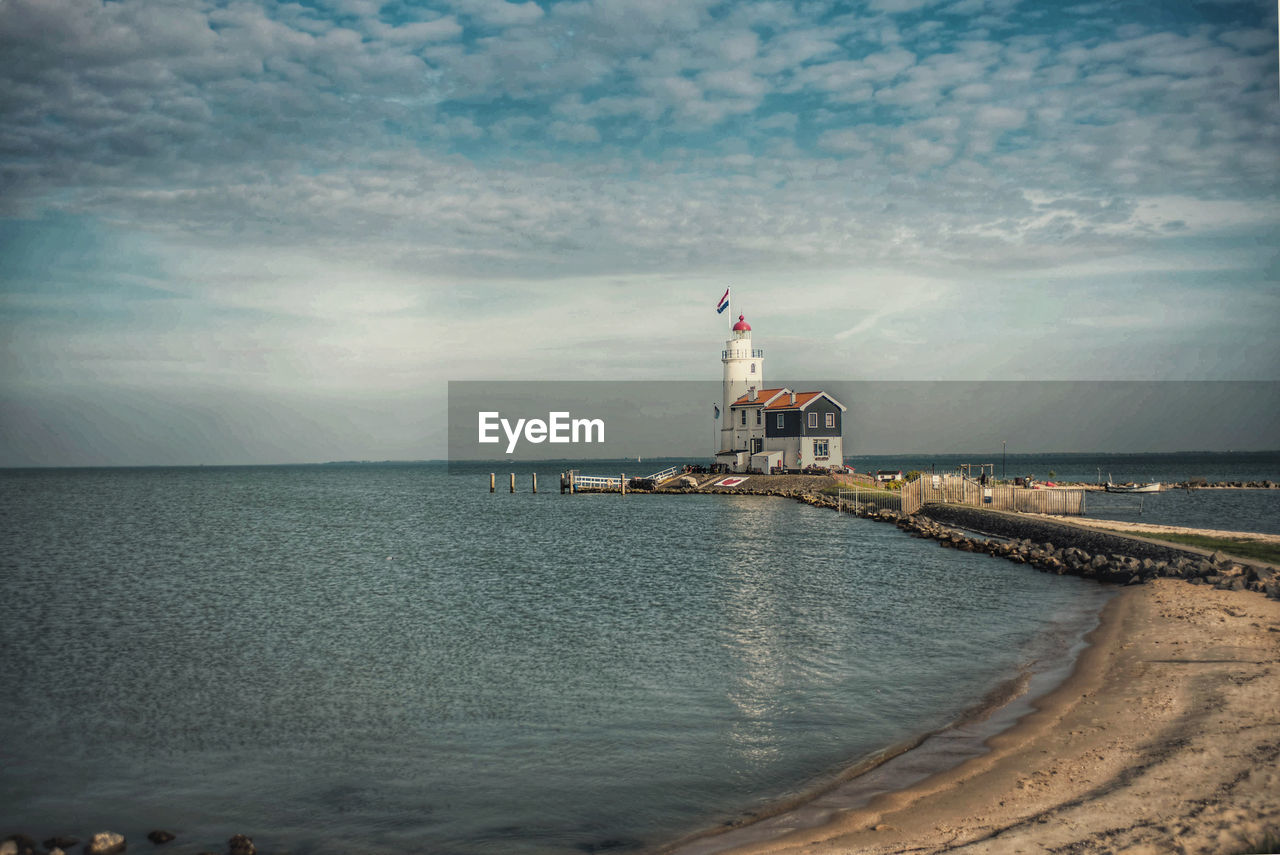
x=889, y=475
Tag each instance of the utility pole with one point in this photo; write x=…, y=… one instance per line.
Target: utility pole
x=1003, y=443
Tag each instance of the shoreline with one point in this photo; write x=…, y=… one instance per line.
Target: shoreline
x=924, y=817
x=1163, y=738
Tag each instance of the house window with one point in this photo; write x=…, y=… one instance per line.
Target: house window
x=821, y=449
x=813, y=420
x=831, y=420
x=758, y=412
x=780, y=422
x=744, y=416
x=753, y=368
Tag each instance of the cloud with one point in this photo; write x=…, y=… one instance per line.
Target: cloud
x=844, y=141
x=418, y=32
x=1000, y=118
x=899, y=6
x=579, y=133
x=500, y=13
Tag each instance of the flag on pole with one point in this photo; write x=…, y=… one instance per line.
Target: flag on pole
x=724, y=303
x=717, y=409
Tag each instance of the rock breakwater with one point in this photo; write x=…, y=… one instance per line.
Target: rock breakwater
x=106, y=843
x=1114, y=563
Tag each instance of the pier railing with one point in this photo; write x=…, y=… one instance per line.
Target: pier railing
x=614, y=483
x=659, y=477
x=597, y=482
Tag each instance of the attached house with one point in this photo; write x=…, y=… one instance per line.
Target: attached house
x=781, y=429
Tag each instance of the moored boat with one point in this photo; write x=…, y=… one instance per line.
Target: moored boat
x=1133, y=488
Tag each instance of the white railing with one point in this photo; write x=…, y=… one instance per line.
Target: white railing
x=596, y=482
x=614, y=482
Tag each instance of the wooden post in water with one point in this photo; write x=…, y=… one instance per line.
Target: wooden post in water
x=535, y=482
x=623, y=483
x=513, y=482
x=562, y=484
x=492, y=482
x=573, y=487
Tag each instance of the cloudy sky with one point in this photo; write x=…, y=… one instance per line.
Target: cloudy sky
x=271, y=232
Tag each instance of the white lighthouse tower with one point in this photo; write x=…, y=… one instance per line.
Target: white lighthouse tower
x=743, y=371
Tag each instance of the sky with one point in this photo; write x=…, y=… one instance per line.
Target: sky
x=246, y=232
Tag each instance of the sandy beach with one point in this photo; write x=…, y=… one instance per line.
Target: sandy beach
x=1165, y=739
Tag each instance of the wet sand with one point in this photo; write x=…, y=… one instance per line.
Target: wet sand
x=1164, y=739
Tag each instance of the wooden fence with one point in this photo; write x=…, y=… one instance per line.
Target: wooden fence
x=862, y=500
x=913, y=495
x=956, y=489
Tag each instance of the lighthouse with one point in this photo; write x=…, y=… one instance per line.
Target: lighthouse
x=767, y=431
x=743, y=372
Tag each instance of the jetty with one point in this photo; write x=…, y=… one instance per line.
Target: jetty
x=572, y=482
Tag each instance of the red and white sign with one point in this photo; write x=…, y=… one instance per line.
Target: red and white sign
x=730, y=482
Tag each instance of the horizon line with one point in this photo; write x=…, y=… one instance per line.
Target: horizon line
x=497, y=461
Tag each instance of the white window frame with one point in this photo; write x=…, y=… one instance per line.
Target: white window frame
x=831, y=420
x=782, y=422
x=813, y=420
x=821, y=449
x=744, y=417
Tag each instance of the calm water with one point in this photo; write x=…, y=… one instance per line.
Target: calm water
x=1233, y=510
x=390, y=659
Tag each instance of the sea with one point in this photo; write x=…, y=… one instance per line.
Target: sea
x=389, y=658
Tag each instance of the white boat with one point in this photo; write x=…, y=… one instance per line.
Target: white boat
x=1133, y=488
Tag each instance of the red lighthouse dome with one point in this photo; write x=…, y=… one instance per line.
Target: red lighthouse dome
x=741, y=325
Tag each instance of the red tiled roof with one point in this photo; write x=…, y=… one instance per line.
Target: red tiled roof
x=762, y=395
x=784, y=403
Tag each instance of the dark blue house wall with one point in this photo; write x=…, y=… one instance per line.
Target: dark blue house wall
x=795, y=422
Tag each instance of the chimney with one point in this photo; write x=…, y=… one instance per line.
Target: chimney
x=793, y=399
x=751, y=393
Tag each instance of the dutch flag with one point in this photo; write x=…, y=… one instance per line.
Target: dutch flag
x=724, y=303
